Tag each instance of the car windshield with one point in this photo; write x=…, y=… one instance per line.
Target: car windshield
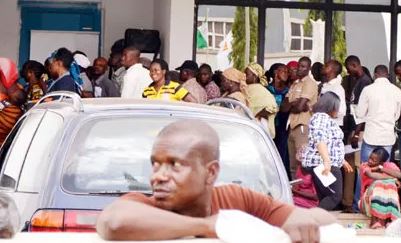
x=112, y=155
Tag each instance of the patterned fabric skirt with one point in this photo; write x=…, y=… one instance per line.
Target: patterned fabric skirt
x=381, y=200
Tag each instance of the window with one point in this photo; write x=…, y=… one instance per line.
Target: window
x=217, y=30
x=39, y=153
x=301, y=40
x=16, y=154
x=112, y=155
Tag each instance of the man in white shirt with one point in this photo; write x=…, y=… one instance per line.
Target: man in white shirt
x=137, y=77
x=331, y=81
x=380, y=106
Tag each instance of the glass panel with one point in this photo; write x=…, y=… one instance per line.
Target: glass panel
x=296, y=44
x=293, y=33
x=216, y=51
x=308, y=44
x=379, y=2
x=39, y=154
x=113, y=155
x=366, y=35
x=218, y=27
x=295, y=29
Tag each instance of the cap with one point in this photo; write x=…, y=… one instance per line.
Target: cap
x=188, y=64
x=82, y=60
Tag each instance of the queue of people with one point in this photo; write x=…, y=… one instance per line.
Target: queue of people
x=310, y=117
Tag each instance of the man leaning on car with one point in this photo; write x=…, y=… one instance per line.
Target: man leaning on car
x=185, y=162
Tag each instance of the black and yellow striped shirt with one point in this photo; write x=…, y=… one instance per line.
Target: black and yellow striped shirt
x=169, y=91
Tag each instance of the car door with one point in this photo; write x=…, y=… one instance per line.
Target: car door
x=12, y=157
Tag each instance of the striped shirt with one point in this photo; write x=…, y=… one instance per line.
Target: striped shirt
x=171, y=91
x=9, y=115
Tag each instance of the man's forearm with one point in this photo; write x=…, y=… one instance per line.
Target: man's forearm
x=143, y=222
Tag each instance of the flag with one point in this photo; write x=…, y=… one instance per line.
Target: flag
x=223, y=60
x=202, y=36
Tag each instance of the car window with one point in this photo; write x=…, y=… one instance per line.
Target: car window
x=17, y=151
x=39, y=153
x=112, y=155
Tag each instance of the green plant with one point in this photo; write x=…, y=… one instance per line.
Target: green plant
x=238, y=53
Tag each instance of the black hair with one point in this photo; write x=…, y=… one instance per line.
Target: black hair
x=352, y=59
x=338, y=68
x=206, y=66
x=163, y=64
x=65, y=56
x=327, y=103
x=397, y=64
x=132, y=48
x=36, y=67
x=270, y=73
x=381, y=70
x=118, y=46
x=305, y=59
x=367, y=72
x=317, y=71
x=382, y=153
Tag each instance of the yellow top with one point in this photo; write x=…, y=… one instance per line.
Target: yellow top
x=169, y=91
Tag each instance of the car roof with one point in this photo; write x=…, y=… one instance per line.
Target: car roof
x=95, y=105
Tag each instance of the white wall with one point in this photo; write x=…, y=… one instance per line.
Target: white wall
x=9, y=29
x=173, y=18
x=162, y=24
x=181, y=31
x=122, y=14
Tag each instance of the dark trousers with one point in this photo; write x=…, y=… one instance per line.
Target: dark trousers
x=329, y=197
x=281, y=141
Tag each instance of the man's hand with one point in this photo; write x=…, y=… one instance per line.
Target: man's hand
x=347, y=167
x=354, y=141
x=301, y=227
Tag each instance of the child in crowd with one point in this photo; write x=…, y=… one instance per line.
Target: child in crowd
x=379, y=193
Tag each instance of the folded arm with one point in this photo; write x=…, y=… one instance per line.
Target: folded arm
x=130, y=220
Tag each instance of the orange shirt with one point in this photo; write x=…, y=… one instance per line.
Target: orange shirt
x=235, y=197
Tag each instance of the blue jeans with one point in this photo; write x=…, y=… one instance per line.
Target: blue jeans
x=366, y=150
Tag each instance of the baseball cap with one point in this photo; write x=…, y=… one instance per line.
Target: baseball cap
x=188, y=64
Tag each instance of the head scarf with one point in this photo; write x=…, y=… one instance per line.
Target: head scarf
x=292, y=64
x=259, y=72
x=8, y=72
x=237, y=76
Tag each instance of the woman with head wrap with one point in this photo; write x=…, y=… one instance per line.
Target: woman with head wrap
x=292, y=72
x=261, y=101
x=12, y=97
x=234, y=83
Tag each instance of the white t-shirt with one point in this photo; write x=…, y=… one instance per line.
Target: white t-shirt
x=136, y=79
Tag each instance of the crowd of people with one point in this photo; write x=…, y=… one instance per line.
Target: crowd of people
x=311, y=111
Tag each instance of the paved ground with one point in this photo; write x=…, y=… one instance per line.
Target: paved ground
x=358, y=221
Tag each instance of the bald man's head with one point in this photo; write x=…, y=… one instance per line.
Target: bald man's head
x=194, y=135
x=100, y=66
x=185, y=167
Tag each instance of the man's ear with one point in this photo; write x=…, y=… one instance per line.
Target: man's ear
x=212, y=170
